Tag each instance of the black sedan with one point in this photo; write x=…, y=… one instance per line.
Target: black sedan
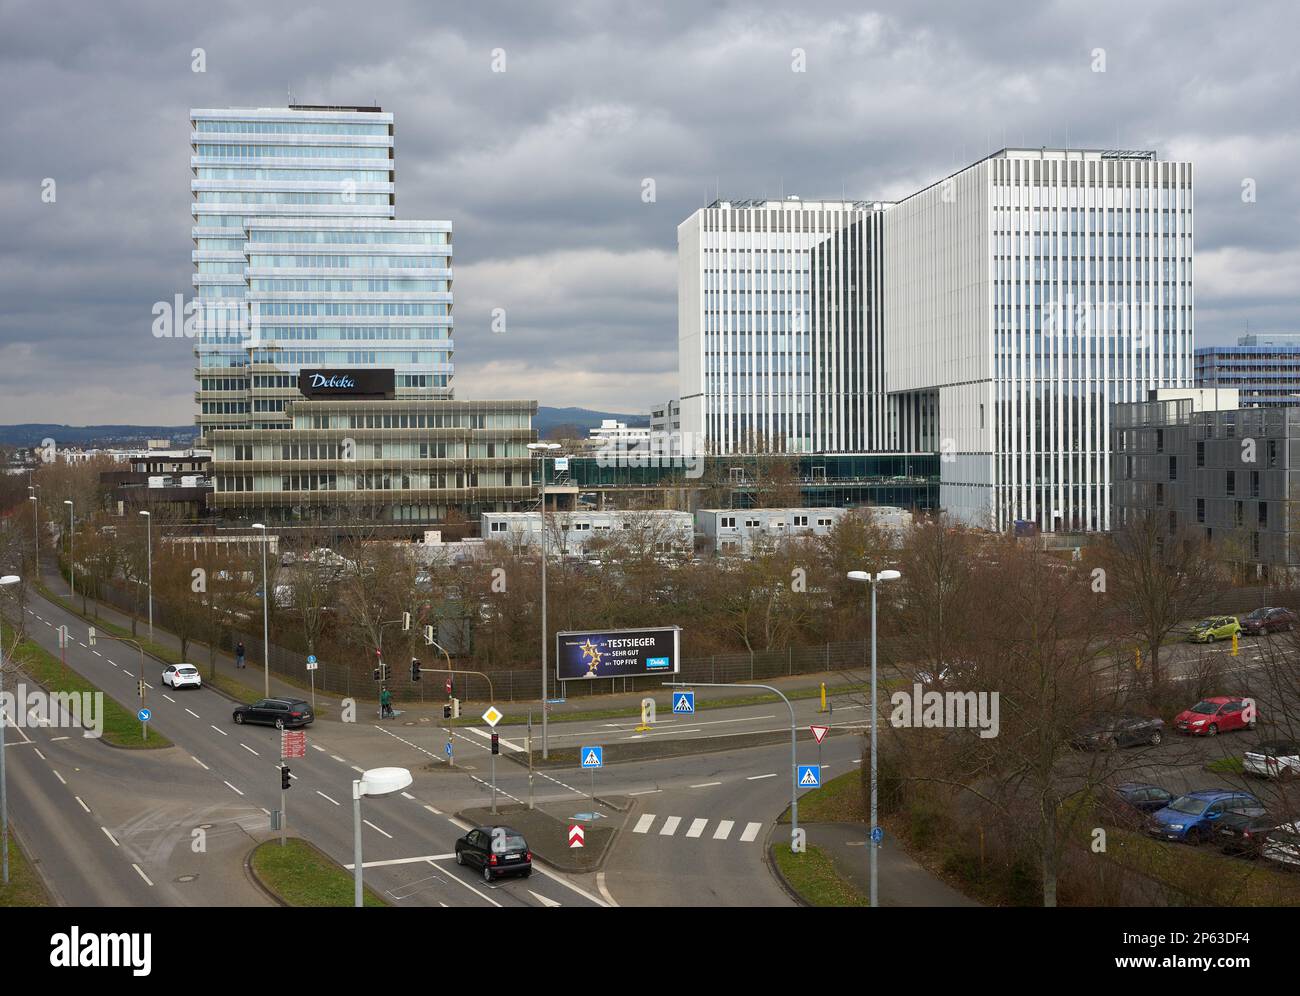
x=1129, y=803
x=1109, y=732
x=496, y=851
x=1238, y=833
x=280, y=713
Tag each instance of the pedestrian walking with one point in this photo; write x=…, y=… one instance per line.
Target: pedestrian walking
x=385, y=704
x=239, y=654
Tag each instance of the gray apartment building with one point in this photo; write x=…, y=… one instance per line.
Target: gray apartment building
x=1201, y=463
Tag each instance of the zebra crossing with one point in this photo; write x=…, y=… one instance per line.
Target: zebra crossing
x=695, y=830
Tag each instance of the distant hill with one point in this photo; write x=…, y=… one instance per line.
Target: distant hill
x=584, y=418
x=33, y=433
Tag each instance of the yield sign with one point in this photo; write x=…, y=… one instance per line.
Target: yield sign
x=577, y=835
x=819, y=732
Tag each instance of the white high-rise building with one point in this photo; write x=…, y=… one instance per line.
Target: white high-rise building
x=776, y=341
x=1023, y=296
x=297, y=253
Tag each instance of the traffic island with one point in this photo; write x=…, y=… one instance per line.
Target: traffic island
x=662, y=747
x=546, y=828
x=811, y=878
x=300, y=874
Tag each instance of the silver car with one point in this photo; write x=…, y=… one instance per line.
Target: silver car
x=1275, y=759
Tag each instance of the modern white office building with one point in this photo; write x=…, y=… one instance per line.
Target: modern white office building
x=1024, y=296
x=299, y=263
x=993, y=317
x=614, y=532
x=777, y=342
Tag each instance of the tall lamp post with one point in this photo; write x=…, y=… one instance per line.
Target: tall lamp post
x=375, y=782
x=36, y=534
x=7, y=580
x=266, y=632
x=148, y=521
x=541, y=450
x=873, y=580
x=72, y=561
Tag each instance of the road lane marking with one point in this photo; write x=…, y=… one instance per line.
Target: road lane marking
x=97, y=653
x=232, y=788
x=433, y=811
x=704, y=785
x=389, y=862
x=250, y=750
x=339, y=759
x=141, y=873
x=81, y=804
x=324, y=796
x=59, y=776
x=169, y=698
x=355, y=768
x=318, y=747
x=38, y=753
x=407, y=795
x=643, y=824
x=219, y=730
x=110, y=837
x=646, y=792
x=670, y=826
x=193, y=713
x=377, y=830
x=755, y=778
x=460, y=881
x=697, y=827
x=751, y=832
x=724, y=829
x=600, y=884
x=199, y=763
x=544, y=900
x=537, y=867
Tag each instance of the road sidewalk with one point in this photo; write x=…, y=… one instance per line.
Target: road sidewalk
x=902, y=881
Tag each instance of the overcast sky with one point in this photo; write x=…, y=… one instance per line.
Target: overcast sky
x=540, y=167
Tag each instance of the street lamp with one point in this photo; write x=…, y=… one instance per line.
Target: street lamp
x=72, y=562
x=540, y=450
x=148, y=519
x=36, y=534
x=266, y=632
x=873, y=847
x=7, y=580
x=375, y=782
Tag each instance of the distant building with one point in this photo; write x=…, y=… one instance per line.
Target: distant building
x=741, y=530
x=1264, y=369
x=588, y=532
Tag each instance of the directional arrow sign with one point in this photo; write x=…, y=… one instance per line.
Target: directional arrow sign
x=493, y=716
x=143, y=715
x=819, y=732
x=577, y=836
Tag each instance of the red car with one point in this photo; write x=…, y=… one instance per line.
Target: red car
x=1210, y=717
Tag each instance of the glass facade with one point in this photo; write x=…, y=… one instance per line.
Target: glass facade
x=1264, y=369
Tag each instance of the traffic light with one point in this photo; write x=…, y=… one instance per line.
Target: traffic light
x=375, y=674
x=446, y=711
x=451, y=710
x=284, y=777
x=496, y=743
x=140, y=688
x=406, y=621
x=415, y=669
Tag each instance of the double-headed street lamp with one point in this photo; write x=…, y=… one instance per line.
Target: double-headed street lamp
x=375, y=782
x=72, y=561
x=266, y=632
x=148, y=519
x=541, y=450
x=7, y=580
x=873, y=580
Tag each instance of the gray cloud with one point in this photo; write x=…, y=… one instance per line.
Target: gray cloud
x=541, y=167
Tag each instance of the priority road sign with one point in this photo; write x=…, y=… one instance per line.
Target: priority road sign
x=143, y=715
x=684, y=703
x=593, y=757
x=810, y=776
x=819, y=732
x=493, y=716
x=577, y=836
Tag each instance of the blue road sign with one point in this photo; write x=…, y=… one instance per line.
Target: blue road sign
x=447, y=749
x=143, y=715
x=810, y=776
x=684, y=703
x=877, y=834
x=311, y=658
x=593, y=757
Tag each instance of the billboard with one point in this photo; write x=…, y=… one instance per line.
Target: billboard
x=618, y=653
x=362, y=384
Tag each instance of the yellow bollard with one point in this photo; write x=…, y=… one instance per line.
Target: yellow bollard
x=823, y=708
x=1138, y=651
x=1234, y=644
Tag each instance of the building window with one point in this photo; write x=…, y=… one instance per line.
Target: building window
x=1160, y=495
x=1173, y=522
x=727, y=522
x=1239, y=513
x=1200, y=509
x=1173, y=468
x=1254, y=545
x=1254, y=483
x=1200, y=454
x=1263, y=515
x=1232, y=482
x=1272, y=452
x=1160, y=440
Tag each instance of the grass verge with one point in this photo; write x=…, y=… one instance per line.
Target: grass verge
x=813, y=877
x=121, y=728
x=302, y=875
x=837, y=801
x=25, y=887
x=1227, y=766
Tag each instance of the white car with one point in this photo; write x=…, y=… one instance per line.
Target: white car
x=182, y=676
x=1282, y=846
x=1275, y=759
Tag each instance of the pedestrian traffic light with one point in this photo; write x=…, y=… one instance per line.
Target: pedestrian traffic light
x=284, y=777
x=415, y=669
x=375, y=674
x=496, y=743
x=446, y=711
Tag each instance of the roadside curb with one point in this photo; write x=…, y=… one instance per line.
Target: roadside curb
x=251, y=874
x=770, y=861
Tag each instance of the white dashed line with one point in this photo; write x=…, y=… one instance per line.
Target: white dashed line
x=646, y=792
x=220, y=730
x=407, y=795
x=433, y=811
x=704, y=785
x=141, y=873
x=38, y=753
x=339, y=759
x=199, y=763
x=61, y=779
x=377, y=830
x=97, y=653
x=232, y=788
x=324, y=796
x=318, y=747
x=169, y=698
x=110, y=837
x=356, y=768
x=755, y=778
x=193, y=713
x=250, y=750
x=81, y=804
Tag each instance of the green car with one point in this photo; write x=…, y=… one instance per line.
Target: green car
x=1214, y=628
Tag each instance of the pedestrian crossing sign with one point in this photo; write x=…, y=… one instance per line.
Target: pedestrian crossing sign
x=684, y=703
x=593, y=757
x=810, y=776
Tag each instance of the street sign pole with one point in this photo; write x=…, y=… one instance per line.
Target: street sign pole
x=530, y=759
x=284, y=815
x=494, y=784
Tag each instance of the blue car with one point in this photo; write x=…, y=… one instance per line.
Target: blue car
x=1191, y=818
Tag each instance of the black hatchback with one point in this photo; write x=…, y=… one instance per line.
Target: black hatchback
x=495, y=850
x=280, y=713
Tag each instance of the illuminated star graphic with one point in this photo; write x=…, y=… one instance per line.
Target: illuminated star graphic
x=592, y=655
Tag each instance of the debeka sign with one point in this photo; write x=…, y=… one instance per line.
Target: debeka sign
x=374, y=385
